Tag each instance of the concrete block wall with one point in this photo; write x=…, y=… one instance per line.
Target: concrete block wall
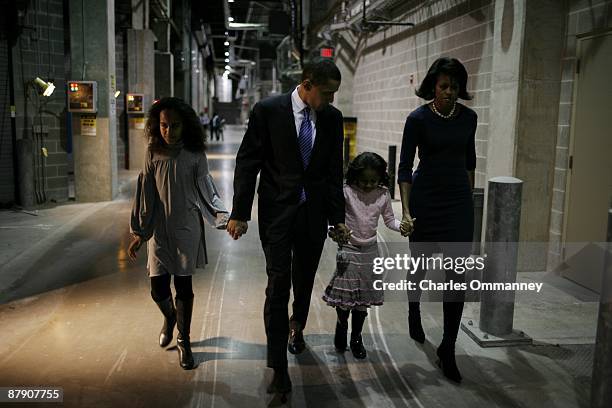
x=120, y=50
x=583, y=17
x=392, y=63
x=345, y=56
x=39, y=51
x=7, y=177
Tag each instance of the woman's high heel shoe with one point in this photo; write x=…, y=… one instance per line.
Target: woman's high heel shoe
x=414, y=323
x=448, y=364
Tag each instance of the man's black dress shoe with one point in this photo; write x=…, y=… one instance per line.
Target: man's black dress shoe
x=281, y=383
x=296, y=343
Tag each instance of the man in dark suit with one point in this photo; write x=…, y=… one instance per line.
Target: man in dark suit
x=294, y=141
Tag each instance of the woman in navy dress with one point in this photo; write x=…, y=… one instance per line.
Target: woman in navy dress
x=437, y=206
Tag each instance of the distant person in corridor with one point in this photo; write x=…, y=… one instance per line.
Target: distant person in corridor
x=294, y=141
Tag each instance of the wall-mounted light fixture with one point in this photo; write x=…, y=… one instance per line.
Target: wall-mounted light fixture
x=45, y=88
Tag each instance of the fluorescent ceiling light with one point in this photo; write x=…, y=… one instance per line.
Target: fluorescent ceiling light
x=247, y=26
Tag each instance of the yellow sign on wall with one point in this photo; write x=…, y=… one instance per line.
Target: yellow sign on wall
x=350, y=135
x=88, y=125
x=137, y=122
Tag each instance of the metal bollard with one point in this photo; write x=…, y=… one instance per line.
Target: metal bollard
x=391, y=169
x=478, y=198
x=601, y=386
x=501, y=249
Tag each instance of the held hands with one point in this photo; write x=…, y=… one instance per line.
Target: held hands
x=340, y=233
x=407, y=225
x=237, y=228
x=221, y=221
x=134, y=247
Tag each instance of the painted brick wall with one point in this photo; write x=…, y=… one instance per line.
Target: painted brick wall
x=7, y=179
x=120, y=49
x=39, y=51
x=392, y=63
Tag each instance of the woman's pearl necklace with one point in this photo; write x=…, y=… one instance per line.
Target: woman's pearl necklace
x=433, y=106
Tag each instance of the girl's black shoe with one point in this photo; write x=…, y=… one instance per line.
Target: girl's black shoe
x=340, y=337
x=184, y=309
x=359, y=352
x=169, y=312
x=341, y=329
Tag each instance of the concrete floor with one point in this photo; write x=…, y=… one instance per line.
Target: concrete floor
x=77, y=314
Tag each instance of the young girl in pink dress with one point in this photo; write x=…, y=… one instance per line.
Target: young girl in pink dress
x=351, y=289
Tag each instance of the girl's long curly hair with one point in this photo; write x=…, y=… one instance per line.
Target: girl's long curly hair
x=364, y=161
x=193, y=136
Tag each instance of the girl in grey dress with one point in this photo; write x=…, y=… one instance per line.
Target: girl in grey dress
x=175, y=192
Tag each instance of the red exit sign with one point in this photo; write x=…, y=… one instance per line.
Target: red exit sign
x=327, y=52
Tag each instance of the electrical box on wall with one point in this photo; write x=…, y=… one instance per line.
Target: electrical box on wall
x=82, y=96
x=134, y=103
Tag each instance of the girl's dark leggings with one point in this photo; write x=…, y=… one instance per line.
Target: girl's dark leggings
x=160, y=287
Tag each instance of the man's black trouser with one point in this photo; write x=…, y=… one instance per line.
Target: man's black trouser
x=291, y=258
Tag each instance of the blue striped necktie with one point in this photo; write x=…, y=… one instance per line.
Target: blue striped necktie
x=305, y=144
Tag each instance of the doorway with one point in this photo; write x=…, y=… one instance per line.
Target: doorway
x=589, y=188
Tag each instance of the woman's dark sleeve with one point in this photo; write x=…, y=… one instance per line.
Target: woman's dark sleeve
x=408, y=150
x=470, y=153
